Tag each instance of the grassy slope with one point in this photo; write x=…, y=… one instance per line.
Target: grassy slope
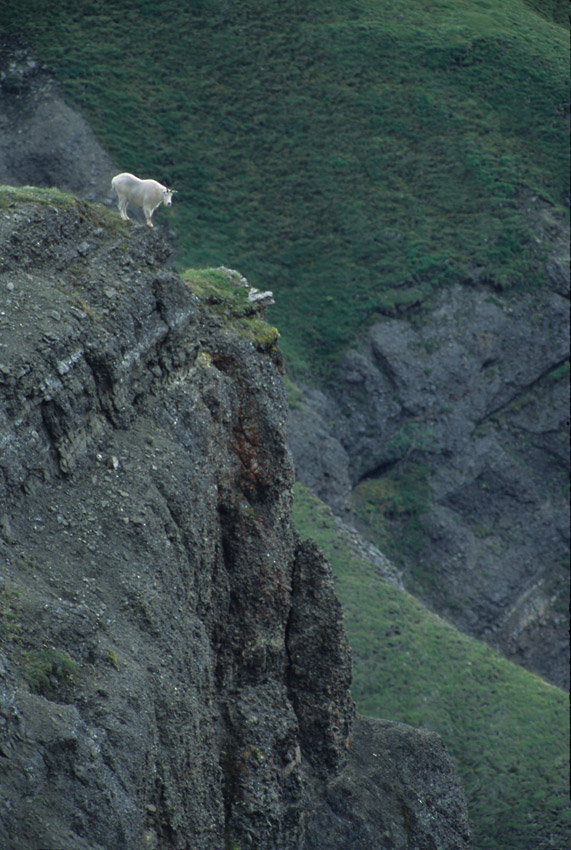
x=507, y=729
x=349, y=156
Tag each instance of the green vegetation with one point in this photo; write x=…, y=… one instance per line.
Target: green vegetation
x=507, y=730
x=391, y=506
x=559, y=373
x=222, y=290
x=295, y=396
x=42, y=669
x=10, y=621
x=11, y=196
x=352, y=157
x=112, y=658
x=42, y=666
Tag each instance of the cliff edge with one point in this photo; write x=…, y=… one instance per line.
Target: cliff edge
x=174, y=670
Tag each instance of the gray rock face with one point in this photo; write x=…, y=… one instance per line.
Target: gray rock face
x=477, y=393
x=174, y=670
x=399, y=790
x=43, y=142
x=321, y=461
x=151, y=570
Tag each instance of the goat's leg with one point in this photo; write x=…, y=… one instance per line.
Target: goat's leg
x=123, y=209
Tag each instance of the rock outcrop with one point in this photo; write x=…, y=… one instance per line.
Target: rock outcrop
x=44, y=142
x=397, y=792
x=174, y=671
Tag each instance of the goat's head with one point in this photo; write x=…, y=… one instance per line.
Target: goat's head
x=167, y=197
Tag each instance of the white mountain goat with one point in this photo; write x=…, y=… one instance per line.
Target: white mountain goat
x=147, y=194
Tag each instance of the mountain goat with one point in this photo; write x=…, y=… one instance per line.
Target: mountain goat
x=147, y=194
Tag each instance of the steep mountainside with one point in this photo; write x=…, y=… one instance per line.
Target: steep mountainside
x=174, y=670
x=398, y=174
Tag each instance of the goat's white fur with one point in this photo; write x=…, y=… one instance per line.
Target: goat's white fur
x=147, y=194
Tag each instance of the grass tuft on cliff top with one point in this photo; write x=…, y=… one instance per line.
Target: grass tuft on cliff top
x=225, y=292
x=506, y=728
x=14, y=196
x=352, y=157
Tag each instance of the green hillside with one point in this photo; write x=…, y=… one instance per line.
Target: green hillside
x=349, y=156
x=506, y=728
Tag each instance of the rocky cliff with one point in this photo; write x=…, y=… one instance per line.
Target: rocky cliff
x=174, y=671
